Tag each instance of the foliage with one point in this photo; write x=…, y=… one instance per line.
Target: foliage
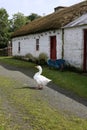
x=42, y=58
x=4, y=26
x=18, y=57
x=17, y=21
x=8, y=26
x=29, y=57
x=33, y=16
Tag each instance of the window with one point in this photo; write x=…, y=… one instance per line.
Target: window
x=19, y=47
x=37, y=44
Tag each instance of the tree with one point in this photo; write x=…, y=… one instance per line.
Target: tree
x=33, y=16
x=4, y=26
x=7, y=26
x=17, y=21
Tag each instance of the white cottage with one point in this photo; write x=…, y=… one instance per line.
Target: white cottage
x=35, y=44
x=59, y=35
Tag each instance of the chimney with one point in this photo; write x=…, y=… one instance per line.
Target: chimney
x=59, y=8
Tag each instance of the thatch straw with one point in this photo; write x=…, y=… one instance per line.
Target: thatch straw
x=53, y=21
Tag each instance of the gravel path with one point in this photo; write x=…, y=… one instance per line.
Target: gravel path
x=58, y=98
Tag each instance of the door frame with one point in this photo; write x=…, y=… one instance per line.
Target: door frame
x=53, y=46
x=85, y=51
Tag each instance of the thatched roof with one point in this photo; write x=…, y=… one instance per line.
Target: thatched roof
x=53, y=21
x=78, y=22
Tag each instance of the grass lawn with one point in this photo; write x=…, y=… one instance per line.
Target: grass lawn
x=35, y=111
x=75, y=82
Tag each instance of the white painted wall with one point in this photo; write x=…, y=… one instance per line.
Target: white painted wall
x=28, y=44
x=73, y=46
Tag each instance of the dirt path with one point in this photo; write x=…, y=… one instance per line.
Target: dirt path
x=53, y=97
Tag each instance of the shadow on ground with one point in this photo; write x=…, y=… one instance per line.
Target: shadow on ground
x=27, y=87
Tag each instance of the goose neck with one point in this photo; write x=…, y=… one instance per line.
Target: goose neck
x=40, y=71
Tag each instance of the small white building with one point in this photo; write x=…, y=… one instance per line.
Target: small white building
x=75, y=42
x=62, y=34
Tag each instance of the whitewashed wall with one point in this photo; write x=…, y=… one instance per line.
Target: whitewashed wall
x=28, y=44
x=73, y=46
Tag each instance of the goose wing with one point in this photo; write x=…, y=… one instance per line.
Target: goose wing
x=42, y=80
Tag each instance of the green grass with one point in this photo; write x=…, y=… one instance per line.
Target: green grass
x=74, y=82
x=36, y=111
x=4, y=121
x=16, y=62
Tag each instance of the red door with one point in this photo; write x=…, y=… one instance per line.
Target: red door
x=53, y=47
x=85, y=51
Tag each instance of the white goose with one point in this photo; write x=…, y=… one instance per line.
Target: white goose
x=40, y=79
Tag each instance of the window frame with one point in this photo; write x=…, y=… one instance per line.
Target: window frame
x=19, y=48
x=37, y=44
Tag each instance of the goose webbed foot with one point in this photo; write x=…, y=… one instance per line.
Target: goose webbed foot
x=39, y=87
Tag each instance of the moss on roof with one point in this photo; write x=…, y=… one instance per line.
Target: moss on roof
x=53, y=21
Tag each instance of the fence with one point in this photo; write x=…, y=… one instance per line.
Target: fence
x=7, y=51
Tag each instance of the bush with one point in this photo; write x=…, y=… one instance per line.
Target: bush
x=29, y=57
x=42, y=58
x=18, y=57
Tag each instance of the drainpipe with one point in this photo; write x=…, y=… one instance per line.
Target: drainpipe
x=62, y=43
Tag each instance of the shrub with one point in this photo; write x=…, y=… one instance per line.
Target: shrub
x=36, y=60
x=29, y=57
x=18, y=57
x=42, y=58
